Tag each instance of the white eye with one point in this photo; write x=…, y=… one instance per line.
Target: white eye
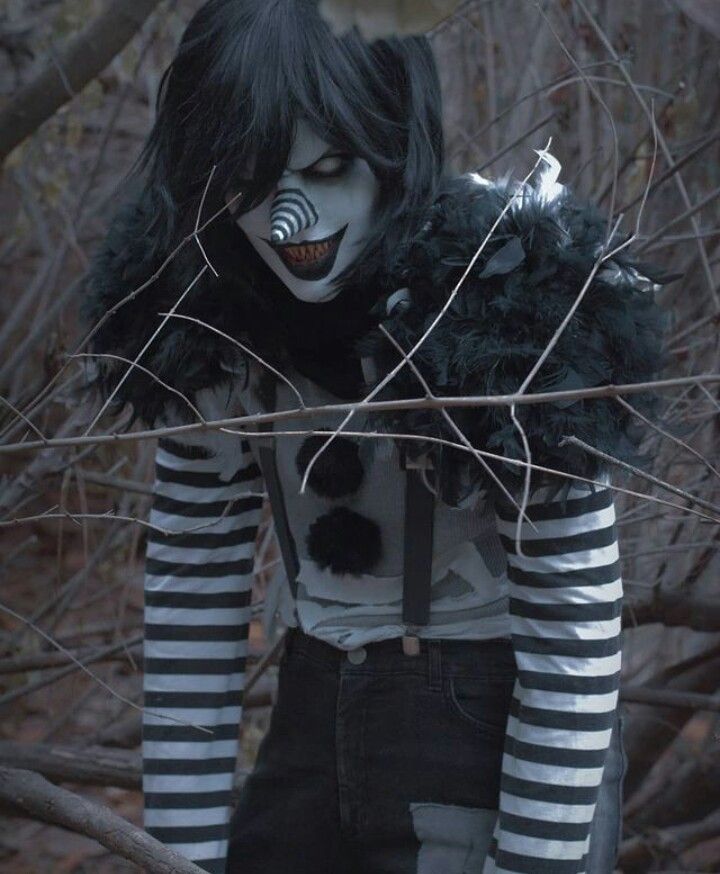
x=330, y=165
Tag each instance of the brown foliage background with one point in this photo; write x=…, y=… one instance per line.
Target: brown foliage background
x=626, y=89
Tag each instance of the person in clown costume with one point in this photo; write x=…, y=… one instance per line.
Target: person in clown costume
x=448, y=690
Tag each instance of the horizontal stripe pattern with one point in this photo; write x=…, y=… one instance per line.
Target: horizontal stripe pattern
x=198, y=581
x=205, y=509
x=565, y=602
x=565, y=611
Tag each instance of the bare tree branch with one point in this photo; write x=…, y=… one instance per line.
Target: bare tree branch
x=674, y=609
x=640, y=851
x=367, y=406
x=36, y=796
x=666, y=698
x=81, y=60
x=91, y=766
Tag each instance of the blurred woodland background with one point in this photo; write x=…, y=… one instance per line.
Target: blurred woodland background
x=629, y=90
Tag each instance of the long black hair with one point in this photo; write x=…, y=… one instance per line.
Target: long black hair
x=244, y=73
x=246, y=70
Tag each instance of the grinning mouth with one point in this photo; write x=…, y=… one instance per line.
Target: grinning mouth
x=312, y=259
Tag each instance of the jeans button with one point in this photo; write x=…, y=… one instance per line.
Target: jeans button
x=357, y=656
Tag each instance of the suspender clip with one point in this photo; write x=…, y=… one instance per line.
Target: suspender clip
x=411, y=645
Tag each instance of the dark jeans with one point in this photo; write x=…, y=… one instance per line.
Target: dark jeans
x=381, y=763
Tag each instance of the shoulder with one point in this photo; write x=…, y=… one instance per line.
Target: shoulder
x=523, y=249
x=132, y=283
x=226, y=447
x=510, y=226
x=495, y=269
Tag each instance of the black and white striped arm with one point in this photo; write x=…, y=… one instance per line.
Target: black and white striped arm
x=198, y=581
x=565, y=614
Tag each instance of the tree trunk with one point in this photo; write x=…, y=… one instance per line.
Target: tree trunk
x=82, y=59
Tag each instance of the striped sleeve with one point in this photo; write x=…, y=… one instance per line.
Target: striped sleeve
x=565, y=615
x=199, y=572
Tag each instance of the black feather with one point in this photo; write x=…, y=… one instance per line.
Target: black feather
x=345, y=542
x=506, y=312
x=337, y=472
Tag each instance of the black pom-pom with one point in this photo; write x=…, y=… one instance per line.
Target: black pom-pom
x=337, y=472
x=345, y=542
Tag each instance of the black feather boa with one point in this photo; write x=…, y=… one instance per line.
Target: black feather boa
x=505, y=313
x=127, y=287
x=131, y=282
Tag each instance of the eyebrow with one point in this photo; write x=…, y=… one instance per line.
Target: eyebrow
x=329, y=151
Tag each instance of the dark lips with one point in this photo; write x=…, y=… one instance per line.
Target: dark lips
x=312, y=259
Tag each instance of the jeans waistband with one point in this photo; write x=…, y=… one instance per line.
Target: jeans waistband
x=492, y=658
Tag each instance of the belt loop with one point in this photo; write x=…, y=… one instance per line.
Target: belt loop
x=434, y=665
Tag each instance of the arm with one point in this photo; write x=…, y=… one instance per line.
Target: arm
x=565, y=614
x=197, y=611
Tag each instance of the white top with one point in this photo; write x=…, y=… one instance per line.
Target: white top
x=563, y=613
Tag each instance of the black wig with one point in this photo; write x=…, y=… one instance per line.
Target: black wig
x=246, y=70
x=244, y=73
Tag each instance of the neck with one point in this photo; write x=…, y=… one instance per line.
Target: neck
x=318, y=338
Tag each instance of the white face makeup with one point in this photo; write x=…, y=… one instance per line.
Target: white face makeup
x=317, y=219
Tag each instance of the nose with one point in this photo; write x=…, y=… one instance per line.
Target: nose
x=292, y=211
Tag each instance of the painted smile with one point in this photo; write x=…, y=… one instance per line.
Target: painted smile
x=310, y=260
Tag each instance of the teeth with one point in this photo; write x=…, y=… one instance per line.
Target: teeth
x=307, y=252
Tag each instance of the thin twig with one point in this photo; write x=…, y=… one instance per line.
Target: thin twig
x=196, y=234
x=185, y=399
x=111, y=516
x=370, y=406
x=701, y=502
x=27, y=421
x=80, y=661
x=668, y=435
x=491, y=455
x=663, y=144
x=521, y=189
x=144, y=349
x=448, y=418
x=246, y=349
x=31, y=625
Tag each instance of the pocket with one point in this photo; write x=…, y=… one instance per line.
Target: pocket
x=482, y=703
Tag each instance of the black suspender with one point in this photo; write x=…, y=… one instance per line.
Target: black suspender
x=268, y=465
x=417, y=556
x=417, y=546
